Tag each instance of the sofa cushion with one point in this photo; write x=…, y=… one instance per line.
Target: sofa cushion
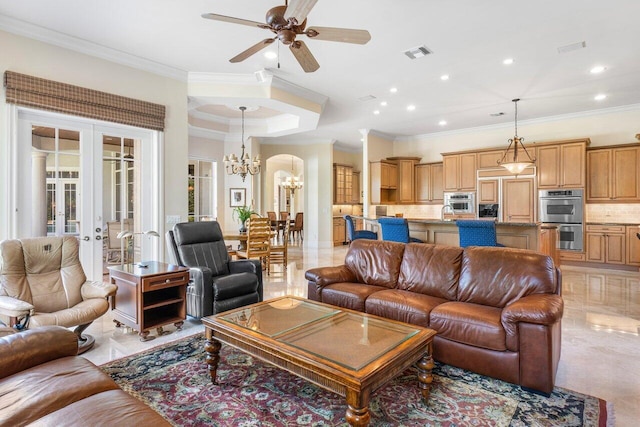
x=46, y=388
x=375, y=262
x=431, y=270
x=348, y=295
x=472, y=324
x=499, y=276
x=405, y=306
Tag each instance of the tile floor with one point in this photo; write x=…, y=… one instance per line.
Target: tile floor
x=600, y=341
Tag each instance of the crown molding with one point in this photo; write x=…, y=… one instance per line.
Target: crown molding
x=65, y=41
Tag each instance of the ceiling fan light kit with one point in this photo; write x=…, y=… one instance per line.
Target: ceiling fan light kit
x=289, y=21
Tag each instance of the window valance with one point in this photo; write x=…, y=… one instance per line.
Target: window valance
x=49, y=95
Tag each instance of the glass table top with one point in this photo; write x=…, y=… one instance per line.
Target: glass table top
x=347, y=338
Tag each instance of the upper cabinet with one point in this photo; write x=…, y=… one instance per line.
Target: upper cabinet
x=355, y=187
x=614, y=174
x=406, y=179
x=428, y=186
x=459, y=171
x=489, y=159
x=561, y=165
x=342, y=184
x=384, y=182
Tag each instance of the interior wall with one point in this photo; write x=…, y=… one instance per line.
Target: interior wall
x=605, y=127
x=24, y=55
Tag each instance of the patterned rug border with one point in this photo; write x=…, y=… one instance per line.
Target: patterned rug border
x=606, y=415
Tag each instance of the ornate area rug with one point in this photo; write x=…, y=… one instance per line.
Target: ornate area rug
x=173, y=379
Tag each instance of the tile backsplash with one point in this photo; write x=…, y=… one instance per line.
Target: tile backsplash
x=622, y=213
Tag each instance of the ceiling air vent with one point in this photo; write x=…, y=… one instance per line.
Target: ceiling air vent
x=498, y=114
x=367, y=98
x=572, y=47
x=418, y=52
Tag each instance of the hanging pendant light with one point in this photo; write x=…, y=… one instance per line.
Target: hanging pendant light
x=243, y=165
x=516, y=159
x=292, y=182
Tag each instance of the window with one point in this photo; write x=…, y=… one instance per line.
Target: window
x=201, y=190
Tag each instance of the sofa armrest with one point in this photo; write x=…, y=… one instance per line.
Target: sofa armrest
x=26, y=349
x=324, y=276
x=541, y=309
x=95, y=289
x=13, y=307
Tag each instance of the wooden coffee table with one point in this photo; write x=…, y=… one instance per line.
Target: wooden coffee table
x=344, y=351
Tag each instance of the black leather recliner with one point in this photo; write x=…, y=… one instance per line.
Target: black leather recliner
x=216, y=282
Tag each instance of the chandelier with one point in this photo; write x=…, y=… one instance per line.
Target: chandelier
x=244, y=165
x=292, y=182
x=510, y=160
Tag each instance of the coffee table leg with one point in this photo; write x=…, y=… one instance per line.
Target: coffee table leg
x=425, y=376
x=212, y=347
x=358, y=409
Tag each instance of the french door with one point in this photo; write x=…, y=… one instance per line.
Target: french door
x=75, y=177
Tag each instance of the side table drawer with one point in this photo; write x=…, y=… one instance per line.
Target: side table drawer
x=164, y=281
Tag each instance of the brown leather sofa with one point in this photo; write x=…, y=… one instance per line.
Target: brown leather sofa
x=44, y=383
x=497, y=311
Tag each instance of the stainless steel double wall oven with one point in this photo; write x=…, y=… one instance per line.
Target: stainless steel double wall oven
x=565, y=208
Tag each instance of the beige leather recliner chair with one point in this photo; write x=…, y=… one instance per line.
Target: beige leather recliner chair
x=42, y=283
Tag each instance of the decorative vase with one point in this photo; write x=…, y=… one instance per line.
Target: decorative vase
x=243, y=228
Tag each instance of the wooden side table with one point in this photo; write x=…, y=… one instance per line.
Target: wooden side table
x=149, y=297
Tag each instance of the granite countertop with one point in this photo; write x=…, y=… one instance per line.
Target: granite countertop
x=452, y=221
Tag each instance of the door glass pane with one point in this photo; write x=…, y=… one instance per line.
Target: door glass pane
x=55, y=157
x=200, y=190
x=120, y=200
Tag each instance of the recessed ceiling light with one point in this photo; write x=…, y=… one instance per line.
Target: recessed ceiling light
x=444, y=77
x=600, y=97
x=508, y=61
x=442, y=122
x=393, y=90
x=411, y=107
x=383, y=103
x=270, y=55
x=598, y=69
x=376, y=112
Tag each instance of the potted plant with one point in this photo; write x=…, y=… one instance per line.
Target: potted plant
x=243, y=213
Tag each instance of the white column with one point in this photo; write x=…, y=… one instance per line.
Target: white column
x=39, y=193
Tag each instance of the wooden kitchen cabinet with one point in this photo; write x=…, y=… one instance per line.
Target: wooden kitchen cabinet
x=633, y=245
x=339, y=231
x=561, y=165
x=406, y=180
x=614, y=174
x=606, y=244
x=383, y=177
x=518, y=200
x=355, y=187
x=489, y=159
x=342, y=184
x=488, y=191
x=459, y=171
x=429, y=183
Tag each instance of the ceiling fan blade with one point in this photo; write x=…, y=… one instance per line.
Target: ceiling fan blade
x=253, y=49
x=304, y=56
x=233, y=20
x=344, y=35
x=299, y=9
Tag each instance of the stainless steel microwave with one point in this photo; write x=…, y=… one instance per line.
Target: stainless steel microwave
x=461, y=202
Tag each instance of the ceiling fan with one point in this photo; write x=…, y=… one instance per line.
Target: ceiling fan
x=289, y=21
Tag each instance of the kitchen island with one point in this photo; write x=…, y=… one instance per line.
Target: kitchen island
x=526, y=235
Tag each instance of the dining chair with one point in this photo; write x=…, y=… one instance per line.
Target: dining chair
x=258, y=241
x=278, y=250
x=298, y=226
x=114, y=251
x=396, y=230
